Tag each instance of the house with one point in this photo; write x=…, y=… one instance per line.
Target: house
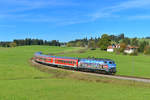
x=117, y=46
x=63, y=44
x=130, y=49
x=112, y=47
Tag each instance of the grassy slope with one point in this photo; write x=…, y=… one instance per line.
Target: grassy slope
x=19, y=81
x=126, y=65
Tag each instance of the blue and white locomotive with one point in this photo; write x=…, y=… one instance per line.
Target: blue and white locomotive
x=103, y=65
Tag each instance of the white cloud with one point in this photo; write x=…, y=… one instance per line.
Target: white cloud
x=16, y=10
x=7, y=26
x=26, y=5
x=132, y=4
x=125, y=5
x=139, y=17
x=19, y=10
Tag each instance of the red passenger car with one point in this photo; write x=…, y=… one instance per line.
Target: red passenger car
x=55, y=60
x=49, y=60
x=66, y=62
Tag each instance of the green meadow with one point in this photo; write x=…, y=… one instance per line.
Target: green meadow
x=19, y=80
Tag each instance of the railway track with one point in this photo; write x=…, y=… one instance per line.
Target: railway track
x=131, y=78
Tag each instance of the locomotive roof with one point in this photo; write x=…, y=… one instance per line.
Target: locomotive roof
x=96, y=59
x=40, y=54
x=83, y=59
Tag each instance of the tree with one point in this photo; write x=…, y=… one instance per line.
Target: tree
x=104, y=42
x=12, y=44
x=147, y=50
x=79, y=44
x=117, y=38
x=122, y=47
x=5, y=44
x=121, y=36
x=92, y=44
x=126, y=41
x=70, y=44
x=142, y=45
x=55, y=43
x=134, y=42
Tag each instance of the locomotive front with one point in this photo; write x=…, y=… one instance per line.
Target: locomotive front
x=111, y=66
x=106, y=65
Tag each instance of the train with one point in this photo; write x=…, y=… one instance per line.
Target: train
x=99, y=65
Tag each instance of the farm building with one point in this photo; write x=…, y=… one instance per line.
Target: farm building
x=130, y=49
x=112, y=47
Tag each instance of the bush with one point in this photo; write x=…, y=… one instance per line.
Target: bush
x=117, y=51
x=12, y=44
x=124, y=53
x=135, y=53
x=92, y=48
x=147, y=50
x=122, y=47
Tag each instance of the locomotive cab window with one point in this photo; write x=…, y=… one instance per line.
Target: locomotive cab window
x=111, y=62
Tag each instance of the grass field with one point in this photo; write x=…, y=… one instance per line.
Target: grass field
x=20, y=81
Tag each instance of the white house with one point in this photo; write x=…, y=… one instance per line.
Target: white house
x=130, y=49
x=112, y=47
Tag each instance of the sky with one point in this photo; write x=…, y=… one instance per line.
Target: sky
x=66, y=20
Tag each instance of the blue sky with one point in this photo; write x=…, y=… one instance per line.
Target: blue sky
x=66, y=20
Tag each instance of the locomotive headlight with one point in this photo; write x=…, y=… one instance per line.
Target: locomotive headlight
x=105, y=66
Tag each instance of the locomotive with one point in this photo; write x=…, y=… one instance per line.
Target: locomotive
x=89, y=64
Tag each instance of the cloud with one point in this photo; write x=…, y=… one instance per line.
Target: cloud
x=99, y=15
x=21, y=10
x=125, y=5
x=26, y=5
x=7, y=26
x=139, y=17
x=40, y=18
x=132, y=4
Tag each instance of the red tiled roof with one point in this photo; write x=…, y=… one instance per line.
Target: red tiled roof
x=130, y=47
x=110, y=47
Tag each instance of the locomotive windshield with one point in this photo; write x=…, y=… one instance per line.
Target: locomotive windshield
x=111, y=62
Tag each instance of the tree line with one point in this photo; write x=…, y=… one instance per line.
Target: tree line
x=101, y=42
x=28, y=41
